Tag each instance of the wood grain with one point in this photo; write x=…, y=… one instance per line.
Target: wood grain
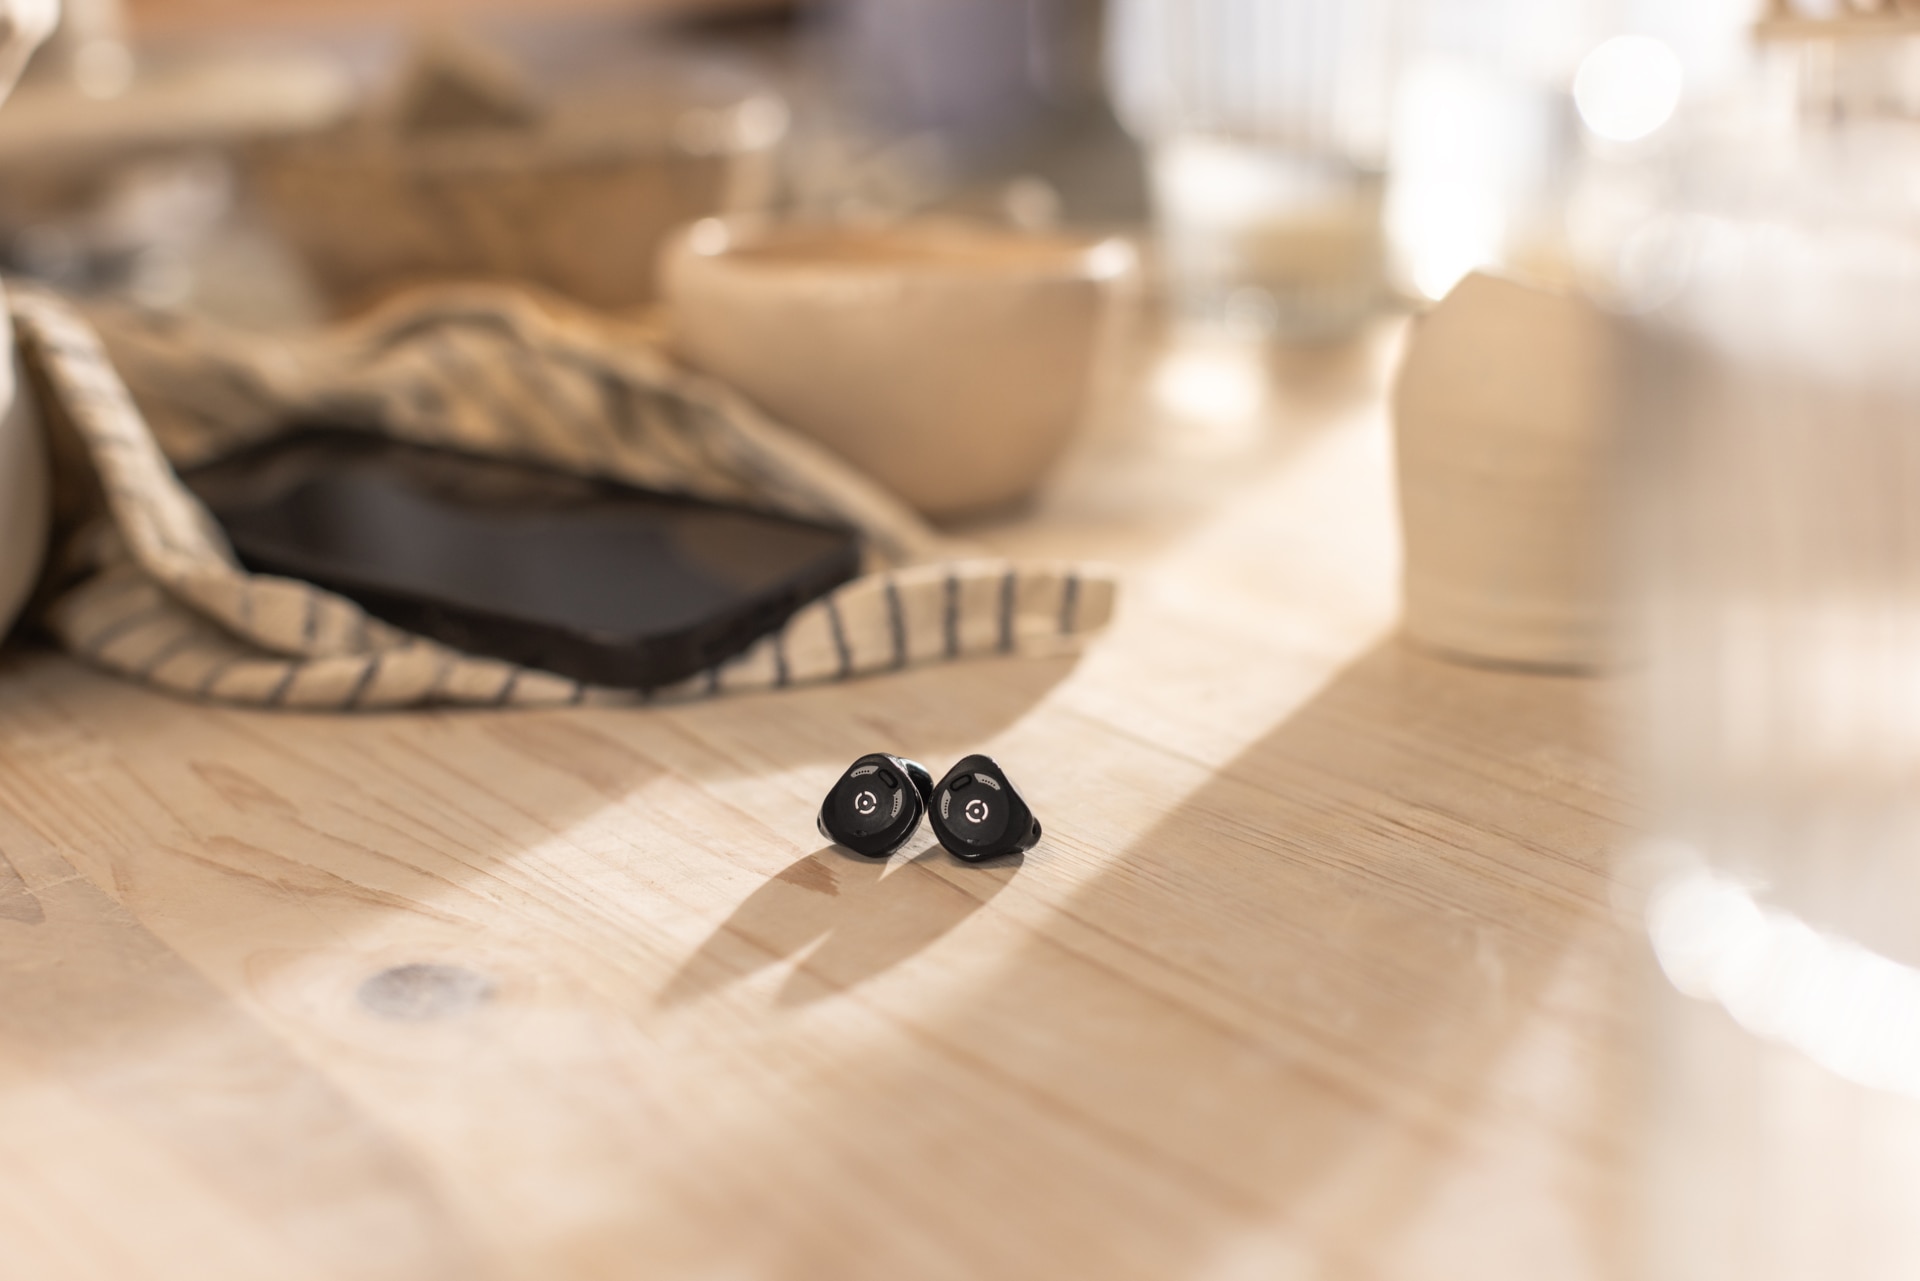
x=1311, y=976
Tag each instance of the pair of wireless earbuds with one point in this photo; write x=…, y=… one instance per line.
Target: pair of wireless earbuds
x=877, y=805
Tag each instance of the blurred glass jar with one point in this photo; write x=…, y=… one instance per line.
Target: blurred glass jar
x=1772, y=424
x=1266, y=125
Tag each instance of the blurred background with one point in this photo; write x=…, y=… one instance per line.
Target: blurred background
x=1301, y=163
x=1728, y=186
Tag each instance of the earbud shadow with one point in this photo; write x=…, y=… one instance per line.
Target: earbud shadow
x=866, y=916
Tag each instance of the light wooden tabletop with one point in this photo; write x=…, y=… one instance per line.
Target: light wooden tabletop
x=1312, y=976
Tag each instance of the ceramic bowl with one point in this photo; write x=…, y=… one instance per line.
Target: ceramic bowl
x=948, y=361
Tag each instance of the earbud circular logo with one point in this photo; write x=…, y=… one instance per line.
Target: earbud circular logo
x=976, y=811
x=866, y=803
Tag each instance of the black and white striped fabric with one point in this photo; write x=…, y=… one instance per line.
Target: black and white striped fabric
x=148, y=587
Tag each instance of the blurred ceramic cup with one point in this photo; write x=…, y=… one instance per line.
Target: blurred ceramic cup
x=949, y=362
x=1502, y=430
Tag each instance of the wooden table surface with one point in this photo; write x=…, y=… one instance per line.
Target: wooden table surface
x=1312, y=977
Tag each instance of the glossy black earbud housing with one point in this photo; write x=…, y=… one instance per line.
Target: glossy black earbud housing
x=978, y=814
x=877, y=804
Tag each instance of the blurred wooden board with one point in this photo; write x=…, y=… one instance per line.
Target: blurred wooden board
x=167, y=16
x=1841, y=26
x=49, y=124
x=1312, y=975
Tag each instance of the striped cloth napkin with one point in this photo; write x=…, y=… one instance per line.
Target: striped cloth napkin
x=144, y=583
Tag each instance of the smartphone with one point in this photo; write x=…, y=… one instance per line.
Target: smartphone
x=592, y=579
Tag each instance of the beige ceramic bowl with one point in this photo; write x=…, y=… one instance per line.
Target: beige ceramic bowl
x=949, y=362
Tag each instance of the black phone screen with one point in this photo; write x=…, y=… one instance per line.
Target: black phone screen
x=592, y=579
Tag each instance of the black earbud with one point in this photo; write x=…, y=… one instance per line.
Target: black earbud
x=977, y=814
x=876, y=806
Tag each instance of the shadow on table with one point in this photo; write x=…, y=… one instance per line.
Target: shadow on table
x=866, y=916
x=1257, y=1042
x=359, y=853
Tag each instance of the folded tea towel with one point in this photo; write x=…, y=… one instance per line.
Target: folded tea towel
x=144, y=583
